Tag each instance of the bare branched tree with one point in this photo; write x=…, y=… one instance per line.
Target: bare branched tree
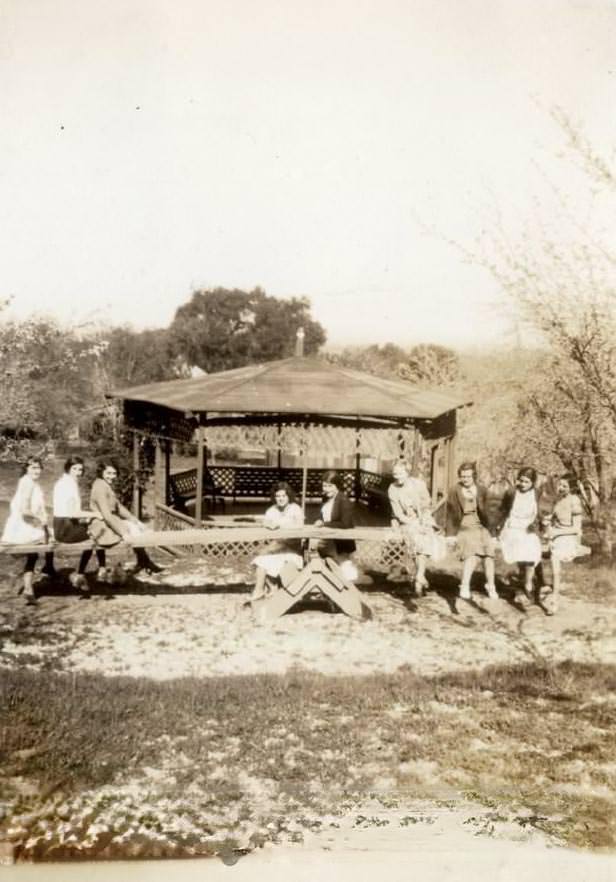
x=563, y=286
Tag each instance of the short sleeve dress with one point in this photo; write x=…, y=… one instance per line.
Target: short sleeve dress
x=567, y=547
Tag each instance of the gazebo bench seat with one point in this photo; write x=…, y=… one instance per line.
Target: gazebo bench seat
x=183, y=488
x=377, y=495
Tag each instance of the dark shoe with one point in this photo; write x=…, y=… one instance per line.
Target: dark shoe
x=31, y=600
x=152, y=568
x=147, y=570
x=147, y=566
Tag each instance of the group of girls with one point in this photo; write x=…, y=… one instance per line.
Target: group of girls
x=285, y=513
x=527, y=525
x=106, y=522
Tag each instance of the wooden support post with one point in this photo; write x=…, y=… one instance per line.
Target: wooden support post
x=167, y=472
x=158, y=473
x=451, y=462
x=357, y=478
x=304, y=470
x=304, y=481
x=434, y=471
x=200, y=472
x=136, y=495
x=417, y=442
x=279, y=457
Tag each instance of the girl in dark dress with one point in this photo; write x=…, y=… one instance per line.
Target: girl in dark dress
x=337, y=511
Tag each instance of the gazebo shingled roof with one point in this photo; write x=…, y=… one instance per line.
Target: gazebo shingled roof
x=296, y=385
x=287, y=394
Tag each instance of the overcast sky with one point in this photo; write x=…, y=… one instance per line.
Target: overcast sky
x=150, y=147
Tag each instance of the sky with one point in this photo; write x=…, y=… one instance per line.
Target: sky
x=319, y=149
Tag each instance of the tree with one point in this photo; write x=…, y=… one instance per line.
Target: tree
x=130, y=358
x=47, y=373
x=563, y=285
x=220, y=329
x=431, y=365
x=496, y=381
x=381, y=361
x=426, y=364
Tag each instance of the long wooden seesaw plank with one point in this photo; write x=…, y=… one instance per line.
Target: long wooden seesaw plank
x=214, y=535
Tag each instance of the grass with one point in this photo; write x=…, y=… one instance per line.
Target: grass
x=99, y=766
x=182, y=766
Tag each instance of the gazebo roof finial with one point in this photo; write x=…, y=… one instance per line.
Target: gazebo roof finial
x=299, y=343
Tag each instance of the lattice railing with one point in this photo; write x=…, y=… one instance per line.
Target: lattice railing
x=380, y=557
x=377, y=556
x=373, y=479
x=167, y=518
x=242, y=549
x=256, y=482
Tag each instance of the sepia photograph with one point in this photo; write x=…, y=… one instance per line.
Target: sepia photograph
x=308, y=440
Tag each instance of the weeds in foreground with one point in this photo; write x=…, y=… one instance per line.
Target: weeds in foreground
x=126, y=766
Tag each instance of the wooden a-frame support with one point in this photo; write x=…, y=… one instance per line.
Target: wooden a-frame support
x=324, y=574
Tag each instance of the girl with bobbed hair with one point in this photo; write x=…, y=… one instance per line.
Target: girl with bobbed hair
x=283, y=513
x=337, y=511
x=519, y=536
x=27, y=523
x=411, y=509
x=469, y=521
x=115, y=522
x=563, y=530
x=70, y=522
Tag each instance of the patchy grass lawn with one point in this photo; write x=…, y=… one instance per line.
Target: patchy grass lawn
x=159, y=719
x=96, y=766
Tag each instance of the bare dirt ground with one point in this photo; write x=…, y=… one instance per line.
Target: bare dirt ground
x=176, y=624
x=191, y=621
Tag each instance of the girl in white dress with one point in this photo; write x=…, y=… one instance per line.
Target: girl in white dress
x=27, y=523
x=519, y=539
x=284, y=513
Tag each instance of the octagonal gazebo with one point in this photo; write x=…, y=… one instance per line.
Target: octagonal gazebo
x=296, y=408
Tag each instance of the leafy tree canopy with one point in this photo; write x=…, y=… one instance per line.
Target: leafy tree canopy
x=47, y=373
x=131, y=357
x=220, y=329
